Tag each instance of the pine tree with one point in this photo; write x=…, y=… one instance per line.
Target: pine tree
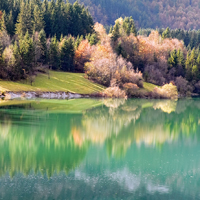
x=195, y=73
x=180, y=57
x=54, y=54
x=173, y=60
x=24, y=22
x=67, y=55
x=166, y=33
x=10, y=24
x=187, y=39
x=47, y=17
x=3, y=22
x=76, y=20
x=129, y=26
x=26, y=51
x=115, y=32
x=38, y=22
x=43, y=46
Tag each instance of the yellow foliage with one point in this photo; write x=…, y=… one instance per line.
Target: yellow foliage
x=168, y=91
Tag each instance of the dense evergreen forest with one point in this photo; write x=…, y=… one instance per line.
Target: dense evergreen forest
x=25, y=27
x=36, y=36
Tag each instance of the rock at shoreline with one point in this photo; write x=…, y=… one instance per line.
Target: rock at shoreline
x=44, y=95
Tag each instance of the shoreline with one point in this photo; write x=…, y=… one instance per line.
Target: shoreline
x=9, y=95
x=44, y=95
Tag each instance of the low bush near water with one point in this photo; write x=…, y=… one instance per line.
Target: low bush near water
x=167, y=91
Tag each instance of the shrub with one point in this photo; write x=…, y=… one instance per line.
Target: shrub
x=167, y=91
x=114, y=92
x=130, y=76
x=130, y=88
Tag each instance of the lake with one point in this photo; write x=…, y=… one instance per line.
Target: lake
x=100, y=149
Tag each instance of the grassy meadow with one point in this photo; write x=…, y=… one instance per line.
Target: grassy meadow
x=59, y=81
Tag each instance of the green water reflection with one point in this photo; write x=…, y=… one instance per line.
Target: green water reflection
x=100, y=149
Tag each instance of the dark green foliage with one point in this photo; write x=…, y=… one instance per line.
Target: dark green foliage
x=10, y=26
x=173, y=59
x=26, y=52
x=92, y=38
x=54, y=54
x=38, y=22
x=123, y=27
x=67, y=53
x=55, y=17
x=25, y=21
x=129, y=26
x=78, y=41
x=115, y=32
x=43, y=46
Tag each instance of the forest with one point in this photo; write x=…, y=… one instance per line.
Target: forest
x=183, y=14
x=36, y=36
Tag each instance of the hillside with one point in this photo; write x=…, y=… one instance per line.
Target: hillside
x=59, y=81
x=182, y=14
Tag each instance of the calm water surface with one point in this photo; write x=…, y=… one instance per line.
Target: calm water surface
x=100, y=149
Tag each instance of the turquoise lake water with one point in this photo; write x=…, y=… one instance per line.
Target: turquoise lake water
x=100, y=149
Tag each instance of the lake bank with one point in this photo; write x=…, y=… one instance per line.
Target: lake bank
x=64, y=85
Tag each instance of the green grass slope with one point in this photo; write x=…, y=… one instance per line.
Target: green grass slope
x=59, y=81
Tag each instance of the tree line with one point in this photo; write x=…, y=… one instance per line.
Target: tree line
x=35, y=33
x=182, y=14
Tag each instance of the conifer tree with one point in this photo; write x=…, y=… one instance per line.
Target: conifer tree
x=195, y=73
x=43, y=46
x=38, y=22
x=3, y=22
x=173, y=60
x=26, y=51
x=115, y=32
x=10, y=24
x=67, y=54
x=180, y=58
x=166, y=33
x=129, y=26
x=76, y=20
x=25, y=21
x=54, y=54
x=46, y=17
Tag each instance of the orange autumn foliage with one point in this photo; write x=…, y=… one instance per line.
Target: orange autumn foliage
x=154, y=46
x=82, y=55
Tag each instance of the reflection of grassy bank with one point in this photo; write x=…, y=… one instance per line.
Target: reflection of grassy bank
x=52, y=105
x=39, y=142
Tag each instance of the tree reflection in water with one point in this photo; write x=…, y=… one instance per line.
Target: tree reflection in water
x=51, y=140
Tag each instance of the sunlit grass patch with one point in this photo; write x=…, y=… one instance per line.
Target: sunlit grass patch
x=59, y=81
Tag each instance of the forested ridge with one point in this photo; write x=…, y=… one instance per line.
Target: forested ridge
x=182, y=14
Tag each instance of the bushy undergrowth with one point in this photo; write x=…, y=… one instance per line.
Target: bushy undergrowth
x=167, y=91
x=114, y=92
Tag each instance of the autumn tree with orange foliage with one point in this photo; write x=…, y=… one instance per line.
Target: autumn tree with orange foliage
x=82, y=55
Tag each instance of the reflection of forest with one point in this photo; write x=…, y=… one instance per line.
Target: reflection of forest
x=53, y=142
x=120, y=123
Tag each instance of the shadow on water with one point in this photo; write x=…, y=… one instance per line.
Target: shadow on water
x=108, y=149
